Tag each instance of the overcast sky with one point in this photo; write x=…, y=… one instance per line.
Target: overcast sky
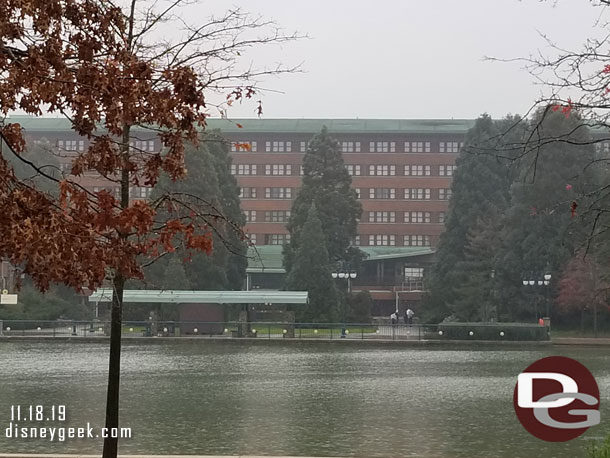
x=411, y=58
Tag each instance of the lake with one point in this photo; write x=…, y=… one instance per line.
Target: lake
x=205, y=397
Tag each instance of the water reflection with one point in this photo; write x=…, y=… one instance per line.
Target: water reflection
x=302, y=399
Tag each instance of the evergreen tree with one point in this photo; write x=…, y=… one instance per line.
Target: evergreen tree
x=208, y=178
x=541, y=231
x=327, y=184
x=311, y=271
x=481, y=185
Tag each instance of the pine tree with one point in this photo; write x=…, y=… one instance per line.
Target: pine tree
x=209, y=177
x=311, y=272
x=481, y=185
x=540, y=231
x=327, y=184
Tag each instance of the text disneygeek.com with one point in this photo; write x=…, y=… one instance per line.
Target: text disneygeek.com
x=26, y=422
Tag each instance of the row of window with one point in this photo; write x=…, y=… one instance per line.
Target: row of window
x=390, y=240
x=280, y=146
x=352, y=169
x=408, y=170
x=374, y=193
x=414, y=217
x=373, y=239
x=409, y=193
x=135, y=192
x=79, y=145
x=270, y=216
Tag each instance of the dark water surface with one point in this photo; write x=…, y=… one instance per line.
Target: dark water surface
x=302, y=399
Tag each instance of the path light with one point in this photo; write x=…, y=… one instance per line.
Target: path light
x=195, y=330
x=254, y=331
x=100, y=329
x=440, y=333
x=471, y=333
x=284, y=331
x=377, y=331
x=39, y=328
x=226, y=330
x=164, y=329
x=501, y=333
x=8, y=328
x=347, y=331
x=130, y=329
x=315, y=331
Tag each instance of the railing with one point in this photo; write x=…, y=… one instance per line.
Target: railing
x=278, y=330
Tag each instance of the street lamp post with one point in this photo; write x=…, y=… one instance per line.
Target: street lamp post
x=546, y=281
x=349, y=275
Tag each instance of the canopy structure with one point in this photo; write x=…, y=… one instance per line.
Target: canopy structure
x=205, y=297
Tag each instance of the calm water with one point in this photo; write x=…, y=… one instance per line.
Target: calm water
x=303, y=399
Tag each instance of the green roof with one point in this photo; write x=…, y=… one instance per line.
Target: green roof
x=269, y=259
x=305, y=126
x=265, y=258
x=378, y=253
x=207, y=297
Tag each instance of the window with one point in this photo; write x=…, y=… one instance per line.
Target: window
x=417, y=194
x=382, y=170
x=243, y=169
x=441, y=217
x=141, y=146
x=303, y=147
x=278, y=169
x=247, y=193
x=414, y=278
x=417, y=217
x=250, y=216
x=278, y=193
x=71, y=145
x=244, y=146
x=417, y=147
x=65, y=166
x=444, y=194
x=382, y=217
x=417, y=170
x=278, y=147
x=382, y=193
x=417, y=240
x=277, y=239
x=350, y=147
x=382, y=240
x=353, y=170
x=356, y=241
x=446, y=170
x=252, y=238
x=382, y=147
x=449, y=147
x=357, y=192
x=277, y=216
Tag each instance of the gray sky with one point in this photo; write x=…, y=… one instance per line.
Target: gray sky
x=411, y=58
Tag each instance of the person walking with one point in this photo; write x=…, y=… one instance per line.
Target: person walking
x=409, y=316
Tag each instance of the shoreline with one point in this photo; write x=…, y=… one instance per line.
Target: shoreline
x=288, y=341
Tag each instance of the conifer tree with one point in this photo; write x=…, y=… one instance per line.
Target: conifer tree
x=311, y=271
x=327, y=184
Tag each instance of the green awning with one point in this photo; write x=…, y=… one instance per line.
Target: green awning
x=205, y=297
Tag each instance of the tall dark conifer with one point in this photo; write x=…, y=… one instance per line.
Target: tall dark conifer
x=327, y=184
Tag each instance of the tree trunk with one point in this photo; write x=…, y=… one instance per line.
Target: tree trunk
x=114, y=365
x=114, y=369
